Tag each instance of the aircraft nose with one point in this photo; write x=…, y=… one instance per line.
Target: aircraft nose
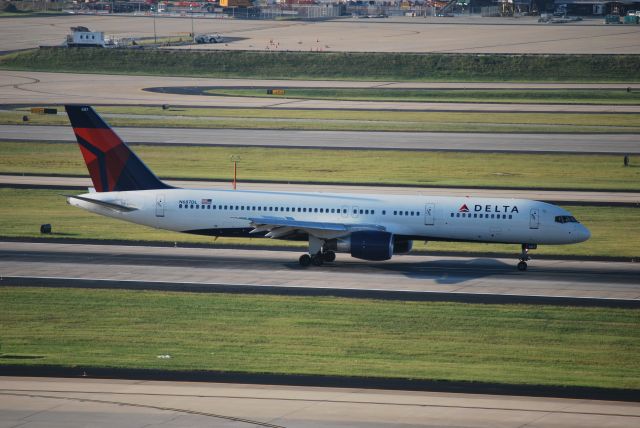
x=581, y=233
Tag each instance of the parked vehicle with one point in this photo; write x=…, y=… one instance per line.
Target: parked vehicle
x=209, y=38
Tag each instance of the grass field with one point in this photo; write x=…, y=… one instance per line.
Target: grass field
x=615, y=231
x=565, y=96
x=516, y=344
x=338, y=120
x=332, y=65
x=557, y=171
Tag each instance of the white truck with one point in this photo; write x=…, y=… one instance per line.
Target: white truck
x=209, y=38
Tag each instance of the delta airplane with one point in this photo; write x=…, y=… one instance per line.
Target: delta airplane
x=367, y=226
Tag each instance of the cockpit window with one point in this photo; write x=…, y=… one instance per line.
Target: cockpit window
x=566, y=219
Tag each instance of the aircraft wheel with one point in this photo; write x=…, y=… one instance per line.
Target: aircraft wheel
x=329, y=256
x=317, y=260
x=522, y=266
x=305, y=260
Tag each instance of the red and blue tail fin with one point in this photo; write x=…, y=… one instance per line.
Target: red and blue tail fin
x=112, y=165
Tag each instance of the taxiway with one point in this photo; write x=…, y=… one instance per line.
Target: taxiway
x=29, y=87
x=563, y=143
x=37, y=402
x=567, y=197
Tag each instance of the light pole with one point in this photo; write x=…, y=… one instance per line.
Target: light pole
x=155, y=37
x=235, y=159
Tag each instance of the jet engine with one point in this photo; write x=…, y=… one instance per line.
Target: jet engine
x=365, y=245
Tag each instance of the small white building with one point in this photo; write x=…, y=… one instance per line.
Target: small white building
x=82, y=37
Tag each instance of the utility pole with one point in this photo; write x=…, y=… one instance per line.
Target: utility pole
x=235, y=159
x=193, y=34
x=155, y=36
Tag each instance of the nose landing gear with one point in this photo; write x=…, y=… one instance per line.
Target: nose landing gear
x=524, y=256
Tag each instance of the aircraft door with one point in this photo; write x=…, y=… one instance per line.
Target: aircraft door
x=160, y=205
x=534, y=220
x=429, y=214
x=354, y=211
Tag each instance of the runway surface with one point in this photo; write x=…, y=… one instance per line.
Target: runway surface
x=27, y=87
x=563, y=143
x=201, y=268
x=53, y=402
x=555, y=196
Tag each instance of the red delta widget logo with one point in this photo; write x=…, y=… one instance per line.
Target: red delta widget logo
x=489, y=208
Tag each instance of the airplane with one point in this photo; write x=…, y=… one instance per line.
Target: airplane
x=367, y=226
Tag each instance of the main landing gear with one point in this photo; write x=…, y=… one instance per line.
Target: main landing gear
x=524, y=256
x=317, y=259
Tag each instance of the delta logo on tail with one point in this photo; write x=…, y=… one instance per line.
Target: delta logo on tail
x=464, y=209
x=111, y=164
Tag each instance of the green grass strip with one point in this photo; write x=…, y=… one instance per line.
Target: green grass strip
x=517, y=344
x=554, y=171
x=614, y=230
x=551, y=96
x=332, y=65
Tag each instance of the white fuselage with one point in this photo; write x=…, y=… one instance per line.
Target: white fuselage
x=227, y=213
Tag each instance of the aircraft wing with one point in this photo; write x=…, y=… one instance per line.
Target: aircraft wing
x=280, y=227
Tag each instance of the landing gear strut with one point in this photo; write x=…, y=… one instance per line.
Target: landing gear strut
x=524, y=256
x=317, y=255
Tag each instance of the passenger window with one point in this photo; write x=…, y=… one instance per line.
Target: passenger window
x=457, y=214
x=180, y=206
x=384, y=212
x=510, y=216
x=475, y=216
x=452, y=214
x=372, y=212
x=366, y=211
x=395, y=213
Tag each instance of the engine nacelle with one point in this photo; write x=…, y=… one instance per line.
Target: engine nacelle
x=365, y=244
x=402, y=246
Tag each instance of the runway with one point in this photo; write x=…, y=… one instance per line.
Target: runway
x=198, y=269
x=37, y=402
x=523, y=143
x=28, y=87
x=566, y=197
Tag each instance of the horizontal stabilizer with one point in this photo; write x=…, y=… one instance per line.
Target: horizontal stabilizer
x=109, y=205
